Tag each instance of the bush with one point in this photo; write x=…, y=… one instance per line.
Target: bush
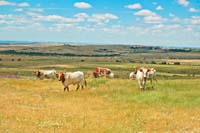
x=12, y=59
x=163, y=63
x=19, y=59
x=153, y=62
x=177, y=63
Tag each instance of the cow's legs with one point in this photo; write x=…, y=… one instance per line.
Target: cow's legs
x=151, y=80
x=140, y=84
x=66, y=87
x=77, y=87
x=82, y=86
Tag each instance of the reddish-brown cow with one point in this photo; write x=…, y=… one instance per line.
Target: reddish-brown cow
x=100, y=71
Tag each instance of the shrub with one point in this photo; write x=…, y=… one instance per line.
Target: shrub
x=153, y=62
x=177, y=63
x=163, y=63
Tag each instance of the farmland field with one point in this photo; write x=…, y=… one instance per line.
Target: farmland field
x=106, y=105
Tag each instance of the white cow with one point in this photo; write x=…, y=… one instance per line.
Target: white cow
x=152, y=75
x=132, y=75
x=49, y=74
x=141, y=75
x=74, y=78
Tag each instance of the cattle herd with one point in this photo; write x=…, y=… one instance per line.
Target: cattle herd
x=141, y=74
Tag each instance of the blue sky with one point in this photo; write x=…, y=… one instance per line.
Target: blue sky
x=139, y=22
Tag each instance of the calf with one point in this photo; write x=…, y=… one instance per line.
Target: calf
x=74, y=78
x=49, y=74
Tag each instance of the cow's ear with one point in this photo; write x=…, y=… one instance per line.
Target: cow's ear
x=148, y=70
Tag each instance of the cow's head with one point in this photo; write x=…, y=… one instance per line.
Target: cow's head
x=95, y=74
x=60, y=76
x=37, y=73
x=108, y=71
x=145, y=72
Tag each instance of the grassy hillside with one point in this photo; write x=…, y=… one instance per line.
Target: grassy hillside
x=100, y=51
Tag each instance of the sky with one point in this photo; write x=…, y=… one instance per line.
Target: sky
x=137, y=22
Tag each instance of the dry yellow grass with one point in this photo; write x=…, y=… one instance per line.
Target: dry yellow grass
x=106, y=106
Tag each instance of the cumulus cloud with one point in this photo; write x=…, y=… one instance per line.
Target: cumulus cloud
x=149, y=16
x=144, y=12
x=195, y=20
x=51, y=18
x=23, y=4
x=193, y=10
x=153, y=19
x=171, y=15
x=18, y=9
x=82, y=5
x=154, y=3
x=159, y=8
x=6, y=3
x=77, y=18
x=102, y=18
x=36, y=9
x=134, y=6
x=183, y=2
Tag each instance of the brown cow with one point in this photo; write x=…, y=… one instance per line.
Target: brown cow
x=100, y=71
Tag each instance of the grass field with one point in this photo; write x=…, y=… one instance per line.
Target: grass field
x=106, y=105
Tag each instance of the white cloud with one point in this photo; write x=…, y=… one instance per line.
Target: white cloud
x=149, y=16
x=81, y=15
x=36, y=9
x=23, y=4
x=19, y=9
x=134, y=6
x=60, y=27
x=102, y=18
x=193, y=10
x=6, y=3
x=77, y=18
x=144, y=12
x=154, y=3
x=153, y=19
x=171, y=15
x=159, y=8
x=195, y=20
x=3, y=22
x=82, y=5
x=183, y=2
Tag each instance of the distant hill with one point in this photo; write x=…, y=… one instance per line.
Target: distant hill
x=57, y=49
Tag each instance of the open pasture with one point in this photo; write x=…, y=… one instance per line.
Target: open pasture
x=106, y=105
